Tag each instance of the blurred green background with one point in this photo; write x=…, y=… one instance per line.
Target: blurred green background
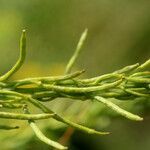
x=119, y=35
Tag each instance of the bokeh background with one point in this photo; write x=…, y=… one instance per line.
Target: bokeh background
x=119, y=35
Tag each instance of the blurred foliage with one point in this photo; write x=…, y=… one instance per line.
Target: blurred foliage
x=119, y=35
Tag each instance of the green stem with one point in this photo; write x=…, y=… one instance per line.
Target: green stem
x=81, y=89
x=118, y=109
x=41, y=136
x=8, y=115
x=77, y=52
x=20, y=61
x=66, y=121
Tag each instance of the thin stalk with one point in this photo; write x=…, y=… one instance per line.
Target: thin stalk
x=46, y=79
x=62, y=119
x=41, y=136
x=19, y=116
x=77, y=52
x=82, y=89
x=118, y=109
x=21, y=59
x=145, y=65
